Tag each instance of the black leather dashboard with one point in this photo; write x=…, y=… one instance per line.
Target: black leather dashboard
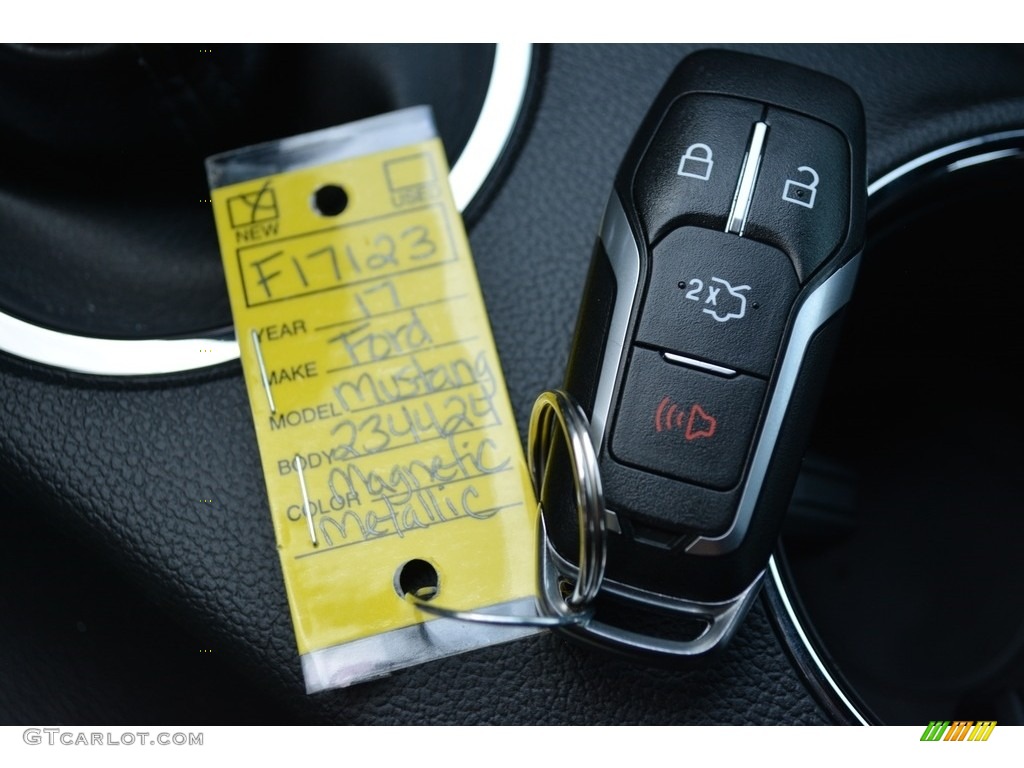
x=125, y=599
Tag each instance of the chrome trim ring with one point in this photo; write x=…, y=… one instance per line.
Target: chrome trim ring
x=502, y=106
x=819, y=669
x=946, y=160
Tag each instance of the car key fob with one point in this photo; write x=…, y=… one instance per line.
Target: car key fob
x=728, y=249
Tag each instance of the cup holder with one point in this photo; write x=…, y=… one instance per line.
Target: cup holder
x=901, y=555
x=108, y=231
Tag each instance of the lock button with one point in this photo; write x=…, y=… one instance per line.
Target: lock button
x=688, y=173
x=801, y=201
x=696, y=162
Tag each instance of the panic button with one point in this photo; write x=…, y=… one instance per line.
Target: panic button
x=684, y=423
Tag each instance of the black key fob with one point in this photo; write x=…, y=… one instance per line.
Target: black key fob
x=728, y=250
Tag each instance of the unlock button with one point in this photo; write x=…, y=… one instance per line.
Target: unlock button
x=799, y=193
x=802, y=193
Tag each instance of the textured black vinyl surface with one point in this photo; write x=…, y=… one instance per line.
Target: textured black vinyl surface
x=104, y=477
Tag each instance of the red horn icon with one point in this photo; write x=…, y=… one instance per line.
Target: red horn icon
x=672, y=416
x=700, y=424
x=669, y=416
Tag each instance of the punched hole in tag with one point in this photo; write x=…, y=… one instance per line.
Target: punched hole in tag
x=330, y=200
x=417, y=578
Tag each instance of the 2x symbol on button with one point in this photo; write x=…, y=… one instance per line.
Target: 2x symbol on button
x=736, y=292
x=696, y=162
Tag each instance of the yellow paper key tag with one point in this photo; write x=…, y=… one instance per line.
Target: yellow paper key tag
x=389, y=448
